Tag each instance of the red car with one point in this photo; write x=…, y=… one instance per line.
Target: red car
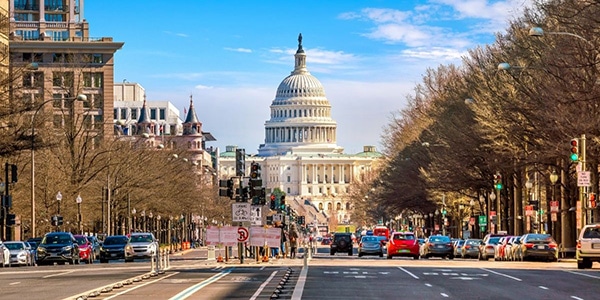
x=403, y=244
x=86, y=253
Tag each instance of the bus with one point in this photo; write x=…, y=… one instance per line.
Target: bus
x=345, y=228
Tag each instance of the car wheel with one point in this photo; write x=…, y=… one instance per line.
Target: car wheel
x=389, y=256
x=103, y=261
x=360, y=254
x=381, y=254
x=350, y=252
x=331, y=252
x=416, y=257
x=580, y=264
x=451, y=257
x=128, y=260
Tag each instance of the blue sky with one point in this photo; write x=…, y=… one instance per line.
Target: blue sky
x=232, y=55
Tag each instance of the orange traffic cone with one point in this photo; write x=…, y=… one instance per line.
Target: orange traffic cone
x=265, y=258
x=220, y=258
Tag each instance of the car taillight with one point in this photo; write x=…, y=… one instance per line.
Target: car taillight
x=467, y=247
x=552, y=245
x=449, y=244
x=430, y=245
x=528, y=245
x=489, y=247
x=578, y=244
x=360, y=244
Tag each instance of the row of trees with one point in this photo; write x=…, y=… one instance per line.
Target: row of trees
x=74, y=156
x=466, y=123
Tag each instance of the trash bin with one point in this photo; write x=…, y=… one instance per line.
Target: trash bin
x=211, y=252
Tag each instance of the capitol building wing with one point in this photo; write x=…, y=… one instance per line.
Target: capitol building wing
x=300, y=155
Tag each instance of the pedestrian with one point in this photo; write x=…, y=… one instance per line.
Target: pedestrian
x=293, y=235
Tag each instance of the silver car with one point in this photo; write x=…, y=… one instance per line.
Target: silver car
x=20, y=253
x=144, y=244
x=370, y=245
x=470, y=249
x=4, y=256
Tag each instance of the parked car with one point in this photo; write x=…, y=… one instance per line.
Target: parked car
x=95, y=245
x=116, y=247
x=588, y=246
x=144, y=244
x=85, y=249
x=403, y=244
x=20, y=253
x=326, y=241
x=487, y=247
x=438, y=245
x=499, y=249
x=60, y=247
x=511, y=248
x=538, y=246
x=458, y=244
x=470, y=249
x=4, y=255
x=370, y=245
x=341, y=242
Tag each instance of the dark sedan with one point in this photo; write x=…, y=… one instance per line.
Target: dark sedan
x=438, y=245
x=538, y=246
x=116, y=247
x=60, y=247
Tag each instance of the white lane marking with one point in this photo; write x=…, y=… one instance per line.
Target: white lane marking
x=141, y=285
x=299, y=288
x=262, y=286
x=428, y=285
x=543, y=287
x=408, y=272
x=507, y=276
x=14, y=283
x=262, y=268
x=194, y=288
x=576, y=298
x=444, y=295
x=58, y=274
x=583, y=274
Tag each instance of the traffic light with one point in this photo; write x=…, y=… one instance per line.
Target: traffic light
x=240, y=162
x=282, y=202
x=244, y=194
x=226, y=188
x=493, y=219
x=272, y=203
x=574, y=150
x=301, y=220
x=535, y=204
x=498, y=181
x=10, y=219
x=592, y=198
x=255, y=181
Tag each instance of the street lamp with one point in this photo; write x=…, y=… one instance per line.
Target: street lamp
x=553, y=180
x=79, y=97
x=529, y=186
x=492, y=198
x=79, y=200
x=134, y=225
x=58, y=199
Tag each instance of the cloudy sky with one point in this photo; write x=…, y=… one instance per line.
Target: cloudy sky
x=232, y=55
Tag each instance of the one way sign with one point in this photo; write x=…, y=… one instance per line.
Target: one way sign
x=255, y=215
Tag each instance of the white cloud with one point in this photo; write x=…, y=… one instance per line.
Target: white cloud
x=176, y=33
x=243, y=50
x=203, y=87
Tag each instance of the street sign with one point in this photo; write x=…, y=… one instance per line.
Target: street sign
x=554, y=206
x=583, y=178
x=529, y=210
x=277, y=218
x=240, y=212
x=483, y=221
x=255, y=215
x=553, y=217
x=242, y=234
x=472, y=221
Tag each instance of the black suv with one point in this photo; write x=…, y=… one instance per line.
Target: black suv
x=60, y=247
x=342, y=242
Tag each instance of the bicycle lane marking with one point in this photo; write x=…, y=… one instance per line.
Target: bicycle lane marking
x=262, y=286
x=141, y=285
x=193, y=289
x=501, y=274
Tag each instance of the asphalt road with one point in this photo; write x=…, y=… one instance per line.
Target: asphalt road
x=323, y=277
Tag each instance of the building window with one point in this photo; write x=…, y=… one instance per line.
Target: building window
x=153, y=114
x=97, y=58
x=347, y=205
x=288, y=190
x=93, y=79
x=123, y=113
x=33, y=57
x=338, y=206
x=62, y=58
x=309, y=190
x=288, y=179
x=62, y=79
x=134, y=113
x=116, y=113
x=162, y=114
x=33, y=80
x=320, y=206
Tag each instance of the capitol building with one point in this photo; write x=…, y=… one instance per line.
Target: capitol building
x=300, y=155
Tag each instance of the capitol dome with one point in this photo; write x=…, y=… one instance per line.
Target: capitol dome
x=300, y=115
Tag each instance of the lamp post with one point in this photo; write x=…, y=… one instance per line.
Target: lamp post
x=79, y=227
x=58, y=199
x=528, y=185
x=79, y=97
x=553, y=180
x=492, y=199
x=134, y=226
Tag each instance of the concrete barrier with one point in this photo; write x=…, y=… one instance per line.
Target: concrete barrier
x=211, y=252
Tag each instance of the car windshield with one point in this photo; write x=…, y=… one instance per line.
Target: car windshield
x=439, y=239
x=493, y=240
x=369, y=239
x=14, y=246
x=592, y=233
x=539, y=238
x=56, y=239
x=81, y=240
x=115, y=240
x=141, y=238
x=404, y=237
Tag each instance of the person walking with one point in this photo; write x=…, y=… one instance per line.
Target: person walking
x=293, y=235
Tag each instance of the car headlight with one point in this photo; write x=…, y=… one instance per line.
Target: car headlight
x=67, y=248
x=22, y=254
x=128, y=248
x=41, y=250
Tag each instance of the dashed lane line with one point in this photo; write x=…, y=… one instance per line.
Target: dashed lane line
x=501, y=274
x=409, y=273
